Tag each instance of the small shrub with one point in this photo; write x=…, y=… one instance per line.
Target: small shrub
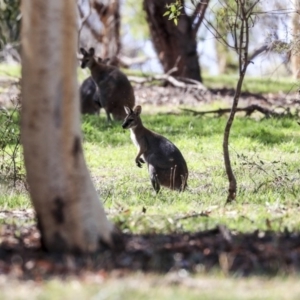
x=11, y=161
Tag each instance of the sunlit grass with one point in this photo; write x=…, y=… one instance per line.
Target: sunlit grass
x=173, y=286
x=11, y=199
x=251, y=84
x=264, y=156
x=10, y=70
x=265, y=159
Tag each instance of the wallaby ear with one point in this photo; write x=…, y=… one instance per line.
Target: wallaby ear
x=83, y=52
x=128, y=110
x=92, y=51
x=137, y=110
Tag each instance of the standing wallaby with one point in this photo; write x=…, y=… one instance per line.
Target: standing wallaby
x=89, y=97
x=166, y=164
x=115, y=90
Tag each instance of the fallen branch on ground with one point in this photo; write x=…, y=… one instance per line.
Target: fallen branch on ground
x=249, y=110
x=191, y=84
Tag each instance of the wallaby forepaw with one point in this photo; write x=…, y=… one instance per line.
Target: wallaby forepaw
x=139, y=164
x=141, y=160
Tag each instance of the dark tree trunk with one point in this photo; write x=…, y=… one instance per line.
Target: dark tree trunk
x=175, y=45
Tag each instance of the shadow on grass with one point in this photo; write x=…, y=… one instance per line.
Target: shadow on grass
x=264, y=253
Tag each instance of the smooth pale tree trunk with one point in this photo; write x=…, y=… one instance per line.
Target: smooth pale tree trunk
x=295, y=54
x=70, y=215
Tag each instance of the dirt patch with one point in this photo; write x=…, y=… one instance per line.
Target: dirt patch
x=258, y=252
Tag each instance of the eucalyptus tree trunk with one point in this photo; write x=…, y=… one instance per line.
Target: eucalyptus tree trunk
x=295, y=53
x=69, y=213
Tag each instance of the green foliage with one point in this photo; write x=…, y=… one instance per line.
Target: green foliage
x=13, y=199
x=226, y=26
x=174, y=11
x=10, y=21
x=11, y=160
x=225, y=14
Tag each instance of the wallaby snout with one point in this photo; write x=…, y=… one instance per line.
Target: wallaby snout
x=166, y=165
x=125, y=125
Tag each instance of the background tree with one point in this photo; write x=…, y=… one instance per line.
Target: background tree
x=176, y=44
x=100, y=27
x=239, y=17
x=69, y=213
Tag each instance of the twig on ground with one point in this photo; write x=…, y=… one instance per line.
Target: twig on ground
x=201, y=214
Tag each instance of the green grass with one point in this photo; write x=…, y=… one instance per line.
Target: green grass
x=12, y=70
x=265, y=159
x=147, y=287
x=251, y=84
x=10, y=199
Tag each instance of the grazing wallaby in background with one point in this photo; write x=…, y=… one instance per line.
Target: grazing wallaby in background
x=89, y=97
x=166, y=164
x=115, y=90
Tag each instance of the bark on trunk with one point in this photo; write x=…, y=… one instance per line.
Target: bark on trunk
x=175, y=45
x=70, y=215
x=295, y=55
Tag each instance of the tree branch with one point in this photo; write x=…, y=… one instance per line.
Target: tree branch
x=249, y=110
x=89, y=24
x=198, y=15
x=170, y=79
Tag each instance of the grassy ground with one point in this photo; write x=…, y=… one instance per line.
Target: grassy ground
x=265, y=157
x=251, y=84
x=170, y=287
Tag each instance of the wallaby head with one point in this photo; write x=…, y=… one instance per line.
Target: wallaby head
x=132, y=118
x=88, y=57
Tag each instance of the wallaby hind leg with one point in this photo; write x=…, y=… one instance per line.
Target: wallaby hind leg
x=155, y=184
x=183, y=183
x=154, y=179
x=109, y=120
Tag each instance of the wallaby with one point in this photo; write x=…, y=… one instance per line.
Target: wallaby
x=89, y=97
x=115, y=90
x=166, y=165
